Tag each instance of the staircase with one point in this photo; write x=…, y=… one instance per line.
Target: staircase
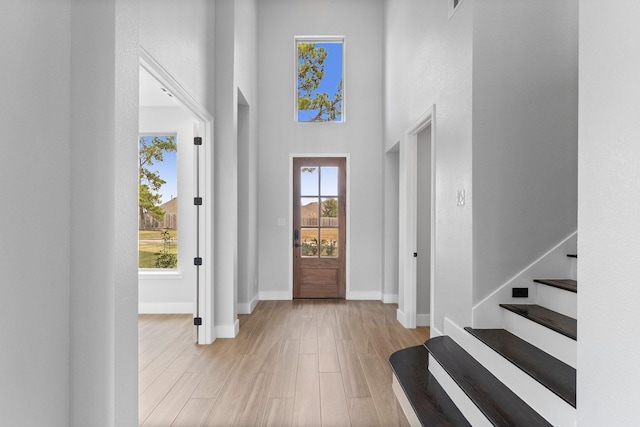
x=523, y=374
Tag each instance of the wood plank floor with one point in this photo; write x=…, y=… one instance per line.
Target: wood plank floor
x=294, y=363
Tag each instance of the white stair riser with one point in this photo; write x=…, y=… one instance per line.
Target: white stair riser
x=541, y=399
x=559, y=300
x=470, y=411
x=405, y=404
x=547, y=340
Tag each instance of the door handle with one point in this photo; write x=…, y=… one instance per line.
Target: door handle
x=296, y=235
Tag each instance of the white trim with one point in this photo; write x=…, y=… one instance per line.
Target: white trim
x=408, y=216
x=228, y=331
x=401, y=318
x=276, y=296
x=423, y=319
x=247, y=308
x=158, y=274
x=553, y=263
x=347, y=272
x=321, y=39
x=165, y=308
x=390, y=298
x=364, y=296
x=206, y=332
x=412, y=418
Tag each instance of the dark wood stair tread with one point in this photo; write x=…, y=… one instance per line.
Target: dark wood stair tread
x=496, y=401
x=560, y=323
x=552, y=373
x=566, y=284
x=428, y=399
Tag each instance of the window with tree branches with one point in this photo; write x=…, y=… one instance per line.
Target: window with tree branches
x=320, y=79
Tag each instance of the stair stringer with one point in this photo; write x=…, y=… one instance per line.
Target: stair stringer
x=553, y=264
x=546, y=403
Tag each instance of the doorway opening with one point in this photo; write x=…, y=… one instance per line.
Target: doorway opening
x=423, y=226
x=417, y=222
x=175, y=122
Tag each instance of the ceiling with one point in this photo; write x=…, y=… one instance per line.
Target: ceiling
x=152, y=94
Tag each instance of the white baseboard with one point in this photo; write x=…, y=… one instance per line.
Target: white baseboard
x=228, y=331
x=275, y=296
x=390, y=298
x=401, y=318
x=247, y=308
x=423, y=319
x=365, y=296
x=165, y=308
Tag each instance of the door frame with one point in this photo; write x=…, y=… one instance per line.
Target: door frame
x=347, y=271
x=206, y=332
x=408, y=217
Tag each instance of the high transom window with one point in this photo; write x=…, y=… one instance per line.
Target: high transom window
x=320, y=79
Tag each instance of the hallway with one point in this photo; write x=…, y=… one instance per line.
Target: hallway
x=301, y=362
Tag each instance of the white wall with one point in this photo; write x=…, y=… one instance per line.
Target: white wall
x=103, y=293
x=173, y=291
x=360, y=21
x=235, y=55
x=179, y=34
x=245, y=71
x=391, y=225
x=525, y=144
x=35, y=120
x=441, y=75
x=608, y=227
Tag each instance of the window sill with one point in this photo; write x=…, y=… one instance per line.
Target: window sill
x=158, y=274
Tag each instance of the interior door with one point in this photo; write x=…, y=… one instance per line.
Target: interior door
x=319, y=225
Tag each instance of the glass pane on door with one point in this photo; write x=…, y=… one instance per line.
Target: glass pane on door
x=309, y=211
x=309, y=242
x=329, y=212
x=329, y=181
x=309, y=177
x=329, y=242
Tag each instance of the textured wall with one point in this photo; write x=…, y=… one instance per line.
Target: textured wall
x=279, y=21
x=35, y=118
x=608, y=226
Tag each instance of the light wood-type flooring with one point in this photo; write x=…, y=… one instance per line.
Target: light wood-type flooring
x=294, y=363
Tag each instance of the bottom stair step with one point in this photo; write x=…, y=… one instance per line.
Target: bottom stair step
x=552, y=373
x=499, y=404
x=430, y=402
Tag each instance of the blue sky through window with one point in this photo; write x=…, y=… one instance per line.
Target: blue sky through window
x=168, y=171
x=331, y=80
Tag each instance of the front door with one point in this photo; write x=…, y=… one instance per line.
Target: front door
x=319, y=224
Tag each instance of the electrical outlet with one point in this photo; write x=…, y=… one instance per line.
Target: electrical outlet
x=520, y=292
x=282, y=221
